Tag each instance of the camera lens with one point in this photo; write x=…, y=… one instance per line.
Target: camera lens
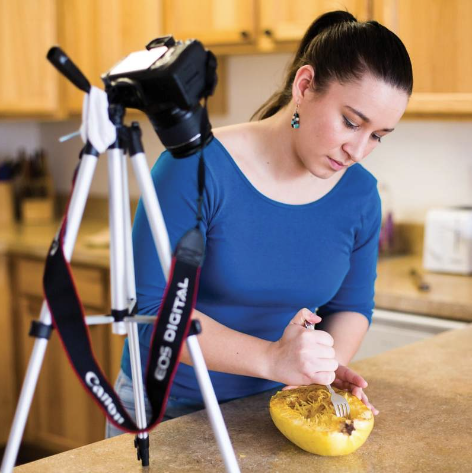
x=182, y=131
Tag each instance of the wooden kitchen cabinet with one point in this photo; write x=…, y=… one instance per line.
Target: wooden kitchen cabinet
x=96, y=34
x=250, y=26
x=62, y=416
x=213, y=22
x=7, y=374
x=438, y=38
x=29, y=84
x=282, y=23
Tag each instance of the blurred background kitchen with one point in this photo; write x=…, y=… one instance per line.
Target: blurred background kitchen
x=424, y=165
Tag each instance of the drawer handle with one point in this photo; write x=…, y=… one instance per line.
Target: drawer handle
x=245, y=35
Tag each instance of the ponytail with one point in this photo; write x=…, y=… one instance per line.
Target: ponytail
x=322, y=23
x=339, y=47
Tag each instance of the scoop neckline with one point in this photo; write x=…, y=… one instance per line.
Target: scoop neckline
x=277, y=203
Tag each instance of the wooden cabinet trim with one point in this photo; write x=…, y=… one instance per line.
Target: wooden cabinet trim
x=435, y=103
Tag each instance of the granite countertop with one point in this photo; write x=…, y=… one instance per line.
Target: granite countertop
x=34, y=241
x=423, y=392
x=450, y=296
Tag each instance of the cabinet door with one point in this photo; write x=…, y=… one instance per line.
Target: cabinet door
x=28, y=81
x=213, y=22
x=7, y=374
x=285, y=21
x=78, y=40
x=62, y=415
x=98, y=33
x=438, y=38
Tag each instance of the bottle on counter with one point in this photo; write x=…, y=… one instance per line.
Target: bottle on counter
x=387, y=238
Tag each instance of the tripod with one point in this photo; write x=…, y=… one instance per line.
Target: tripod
x=123, y=290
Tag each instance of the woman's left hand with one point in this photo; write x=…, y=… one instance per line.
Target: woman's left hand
x=350, y=381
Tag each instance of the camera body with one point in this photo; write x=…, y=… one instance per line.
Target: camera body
x=167, y=82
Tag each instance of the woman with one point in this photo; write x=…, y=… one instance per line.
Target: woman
x=291, y=223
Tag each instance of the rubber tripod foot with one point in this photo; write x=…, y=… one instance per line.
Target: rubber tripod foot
x=142, y=449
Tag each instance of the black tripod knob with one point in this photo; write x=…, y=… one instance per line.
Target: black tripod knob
x=195, y=327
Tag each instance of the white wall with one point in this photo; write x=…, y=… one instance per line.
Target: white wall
x=16, y=135
x=423, y=163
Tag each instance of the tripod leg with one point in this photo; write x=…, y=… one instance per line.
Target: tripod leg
x=130, y=281
x=141, y=441
x=122, y=286
x=131, y=328
x=162, y=243
x=119, y=288
x=211, y=403
x=74, y=217
x=26, y=396
x=151, y=203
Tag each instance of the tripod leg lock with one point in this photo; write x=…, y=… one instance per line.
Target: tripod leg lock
x=142, y=447
x=119, y=315
x=40, y=330
x=195, y=327
x=135, y=143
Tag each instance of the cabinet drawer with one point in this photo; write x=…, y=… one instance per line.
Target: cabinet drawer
x=89, y=281
x=62, y=415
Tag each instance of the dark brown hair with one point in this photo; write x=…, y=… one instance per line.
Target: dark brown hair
x=338, y=47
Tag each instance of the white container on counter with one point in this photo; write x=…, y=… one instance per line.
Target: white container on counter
x=448, y=240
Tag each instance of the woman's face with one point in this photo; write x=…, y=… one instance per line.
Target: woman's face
x=344, y=124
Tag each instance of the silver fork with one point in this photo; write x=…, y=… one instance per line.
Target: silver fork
x=341, y=406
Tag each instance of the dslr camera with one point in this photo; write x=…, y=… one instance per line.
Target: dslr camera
x=168, y=81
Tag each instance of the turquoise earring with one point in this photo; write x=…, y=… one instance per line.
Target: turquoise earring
x=295, y=123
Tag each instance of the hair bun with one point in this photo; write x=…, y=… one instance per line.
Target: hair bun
x=322, y=23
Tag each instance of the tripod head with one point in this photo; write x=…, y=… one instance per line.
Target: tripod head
x=167, y=81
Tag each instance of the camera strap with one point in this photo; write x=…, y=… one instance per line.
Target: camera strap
x=170, y=328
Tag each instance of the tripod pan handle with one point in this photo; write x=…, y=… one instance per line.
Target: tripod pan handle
x=59, y=59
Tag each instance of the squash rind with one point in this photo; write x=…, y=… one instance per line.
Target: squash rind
x=331, y=439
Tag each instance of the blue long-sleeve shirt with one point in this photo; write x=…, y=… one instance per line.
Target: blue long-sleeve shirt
x=264, y=261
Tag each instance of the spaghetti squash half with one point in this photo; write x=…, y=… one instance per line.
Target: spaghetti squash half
x=306, y=416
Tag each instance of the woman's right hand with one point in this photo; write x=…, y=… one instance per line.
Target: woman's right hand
x=301, y=356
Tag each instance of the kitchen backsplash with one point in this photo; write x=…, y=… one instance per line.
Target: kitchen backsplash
x=16, y=135
x=424, y=164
